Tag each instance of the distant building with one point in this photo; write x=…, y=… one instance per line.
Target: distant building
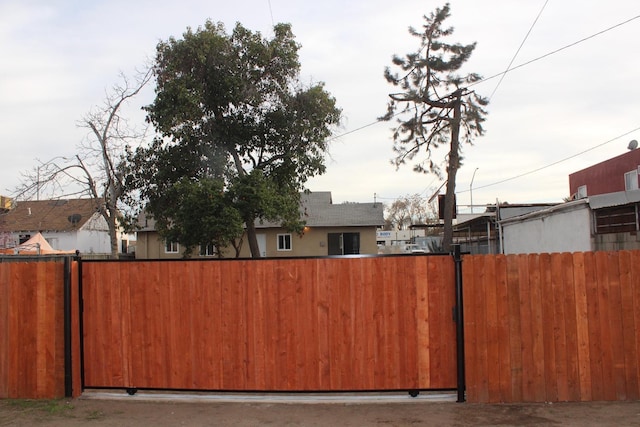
x=331, y=229
x=603, y=215
x=66, y=224
x=616, y=174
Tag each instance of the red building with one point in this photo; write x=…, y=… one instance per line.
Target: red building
x=617, y=174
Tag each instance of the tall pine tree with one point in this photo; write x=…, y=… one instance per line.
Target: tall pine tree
x=433, y=107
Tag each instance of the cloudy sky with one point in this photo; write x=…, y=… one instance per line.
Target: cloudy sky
x=547, y=119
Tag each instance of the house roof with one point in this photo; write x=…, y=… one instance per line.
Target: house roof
x=317, y=210
x=551, y=210
x=48, y=215
x=614, y=199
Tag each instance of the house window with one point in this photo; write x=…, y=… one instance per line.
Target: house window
x=582, y=192
x=631, y=180
x=284, y=242
x=617, y=219
x=344, y=243
x=171, y=247
x=208, y=250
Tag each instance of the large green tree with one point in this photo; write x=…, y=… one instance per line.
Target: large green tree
x=230, y=108
x=434, y=106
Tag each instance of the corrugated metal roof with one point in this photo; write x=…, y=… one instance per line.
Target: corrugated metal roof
x=614, y=199
x=567, y=206
x=48, y=215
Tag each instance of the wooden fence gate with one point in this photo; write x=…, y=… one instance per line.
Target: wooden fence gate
x=315, y=324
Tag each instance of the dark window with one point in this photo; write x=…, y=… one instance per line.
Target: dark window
x=618, y=219
x=344, y=243
x=207, y=250
x=171, y=247
x=284, y=242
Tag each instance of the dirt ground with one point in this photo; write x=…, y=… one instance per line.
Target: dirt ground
x=401, y=411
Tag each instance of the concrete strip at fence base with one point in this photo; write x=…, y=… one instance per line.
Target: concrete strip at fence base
x=285, y=398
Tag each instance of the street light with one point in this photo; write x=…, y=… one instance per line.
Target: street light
x=471, y=188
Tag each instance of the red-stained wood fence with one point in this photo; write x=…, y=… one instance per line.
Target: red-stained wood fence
x=544, y=327
x=32, y=328
x=552, y=327
x=318, y=324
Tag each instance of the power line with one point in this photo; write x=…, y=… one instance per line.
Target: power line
x=503, y=72
x=519, y=48
x=552, y=164
x=555, y=51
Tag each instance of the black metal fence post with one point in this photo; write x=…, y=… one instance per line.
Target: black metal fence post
x=68, y=367
x=459, y=318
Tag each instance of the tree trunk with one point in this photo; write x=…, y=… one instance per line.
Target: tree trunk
x=252, y=238
x=452, y=170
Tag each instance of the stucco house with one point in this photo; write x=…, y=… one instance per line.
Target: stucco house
x=66, y=224
x=331, y=229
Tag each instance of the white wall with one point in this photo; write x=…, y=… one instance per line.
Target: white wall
x=92, y=237
x=566, y=230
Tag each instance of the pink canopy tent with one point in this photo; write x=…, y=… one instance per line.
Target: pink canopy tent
x=36, y=245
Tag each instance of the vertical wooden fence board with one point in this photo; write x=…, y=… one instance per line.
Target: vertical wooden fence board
x=567, y=343
x=527, y=330
x=422, y=324
x=5, y=328
x=491, y=325
x=256, y=319
x=324, y=276
x=582, y=311
x=630, y=350
x=365, y=326
x=391, y=316
x=615, y=309
x=342, y=300
x=535, y=281
x=554, y=291
x=635, y=280
x=503, y=324
x=470, y=324
x=549, y=322
x=27, y=339
x=482, y=369
x=515, y=328
x=595, y=335
x=605, y=341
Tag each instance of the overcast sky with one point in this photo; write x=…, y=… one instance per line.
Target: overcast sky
x=57, y=58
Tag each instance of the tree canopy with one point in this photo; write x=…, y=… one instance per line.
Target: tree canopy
x=235, y=124
x=434, y=107
x=409, y=210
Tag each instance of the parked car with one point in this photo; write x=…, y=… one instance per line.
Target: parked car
x=412, y=248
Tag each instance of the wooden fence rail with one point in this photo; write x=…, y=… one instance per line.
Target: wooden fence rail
x=552, y=327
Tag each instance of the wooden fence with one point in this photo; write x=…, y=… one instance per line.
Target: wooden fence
x=547, y=327
x=552, y=327
x=32, y=336
x=320, y=324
